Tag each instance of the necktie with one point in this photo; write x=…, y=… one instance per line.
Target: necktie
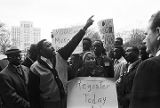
x=21, y=72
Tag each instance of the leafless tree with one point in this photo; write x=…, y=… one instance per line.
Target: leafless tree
x=4, y=38
x=136, y=38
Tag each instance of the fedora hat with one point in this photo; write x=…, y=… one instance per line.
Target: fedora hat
x=12, y=50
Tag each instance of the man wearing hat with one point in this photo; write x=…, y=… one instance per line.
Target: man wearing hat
x=13, y=81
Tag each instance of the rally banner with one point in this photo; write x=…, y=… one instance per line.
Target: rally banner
x=92, y=92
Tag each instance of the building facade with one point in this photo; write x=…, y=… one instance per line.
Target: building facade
x=25, y=35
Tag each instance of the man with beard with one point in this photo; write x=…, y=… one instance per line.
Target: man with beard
x=102, y=61
x=125, y=81
x=48, y=76
x=13, y=82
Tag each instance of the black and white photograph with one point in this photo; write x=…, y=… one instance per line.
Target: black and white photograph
x=79, y=54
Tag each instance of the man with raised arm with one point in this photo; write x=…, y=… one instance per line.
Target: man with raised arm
x=48, y=76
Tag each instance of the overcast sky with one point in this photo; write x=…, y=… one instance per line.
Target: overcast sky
x=52, y=14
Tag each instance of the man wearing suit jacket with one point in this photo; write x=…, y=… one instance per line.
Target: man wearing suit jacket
x=146, y=85
x=13, y=82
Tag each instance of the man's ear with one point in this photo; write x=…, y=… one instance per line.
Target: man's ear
x=158, y=38
x=158, y=33
x=158, y=30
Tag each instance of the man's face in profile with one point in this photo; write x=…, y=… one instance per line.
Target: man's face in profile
x=48, y=51
x=150, y=39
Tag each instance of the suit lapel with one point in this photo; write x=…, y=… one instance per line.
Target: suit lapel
x=18, y=78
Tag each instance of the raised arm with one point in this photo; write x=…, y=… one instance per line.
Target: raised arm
x=67, y=50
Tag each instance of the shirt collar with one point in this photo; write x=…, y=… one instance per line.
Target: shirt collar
x=158, y=53
x=47, y=61
x=121, y=59
x=18, y=68
x=132, y=64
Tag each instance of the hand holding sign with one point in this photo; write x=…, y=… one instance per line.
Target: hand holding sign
x=88, y=23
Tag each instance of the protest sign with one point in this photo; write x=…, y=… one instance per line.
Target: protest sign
x=106, y=29
x=92, y=92
x=60, y=37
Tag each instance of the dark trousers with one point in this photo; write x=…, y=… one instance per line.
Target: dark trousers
x=56, y=104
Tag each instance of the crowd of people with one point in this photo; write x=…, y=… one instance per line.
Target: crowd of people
x=40, y=80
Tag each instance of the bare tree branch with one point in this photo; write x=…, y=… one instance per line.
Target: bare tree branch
x=4, y=38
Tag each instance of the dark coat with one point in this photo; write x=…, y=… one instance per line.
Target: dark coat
x=13, y=89
x=107, y=64
x=3, y=63
x=124, y=85
x=34, y=80
x=146, y=85
x=27, y=62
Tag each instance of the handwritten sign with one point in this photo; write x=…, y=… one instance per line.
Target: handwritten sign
x=60, y=37
x=106, y=29
x=92, y=92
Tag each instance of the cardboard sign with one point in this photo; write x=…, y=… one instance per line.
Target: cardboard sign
x=106, y=26
x=92, y=92
x=106, y=29
x=60, y=37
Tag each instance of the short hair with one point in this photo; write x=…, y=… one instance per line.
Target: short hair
x=101, y=43
x=135, y=49
x=119, y=38
x=143, y=48
x=118, y=41
x=33, y=51
x=40, y=45
x=88, y=39
x=155, y=21
x=33, y=48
